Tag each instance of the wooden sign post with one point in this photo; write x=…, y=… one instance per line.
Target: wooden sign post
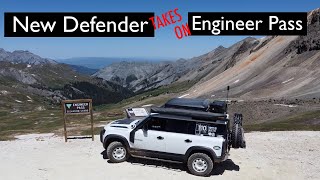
x=73, y=107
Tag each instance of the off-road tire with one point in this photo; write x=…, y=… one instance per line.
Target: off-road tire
x=237, y=133
x=237, y=119
x=237, y=137
x=202, y=156
x=110, y=152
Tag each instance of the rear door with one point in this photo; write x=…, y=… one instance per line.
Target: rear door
x=186, y=134
x=181, y=135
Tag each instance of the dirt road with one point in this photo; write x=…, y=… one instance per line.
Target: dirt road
x=270, y=155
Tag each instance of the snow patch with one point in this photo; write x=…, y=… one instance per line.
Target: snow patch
x=213, y=95
x=29, y=66
x=183, y=95
x=236, y=81
x=4, y=92
x=18, y=101
x=286, y=105
x=147, y=105
x=287, y=80
x=40, y=108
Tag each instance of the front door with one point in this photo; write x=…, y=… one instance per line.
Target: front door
x=152, y=139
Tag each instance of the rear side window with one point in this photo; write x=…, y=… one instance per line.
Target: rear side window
x=180, y=126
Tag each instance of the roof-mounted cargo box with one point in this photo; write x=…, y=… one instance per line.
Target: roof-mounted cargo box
x=197, y=105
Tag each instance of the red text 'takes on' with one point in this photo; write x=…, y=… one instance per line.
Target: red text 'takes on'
x=168, y=18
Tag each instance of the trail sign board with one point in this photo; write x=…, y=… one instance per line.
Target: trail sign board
x=73, y=107
x=77, y=107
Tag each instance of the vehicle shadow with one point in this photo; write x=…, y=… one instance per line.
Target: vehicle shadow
x=227, y=165
x=104, y=154
x=218, y=169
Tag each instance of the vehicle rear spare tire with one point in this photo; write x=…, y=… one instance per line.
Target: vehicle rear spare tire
x=237, y=134
x=237, y=119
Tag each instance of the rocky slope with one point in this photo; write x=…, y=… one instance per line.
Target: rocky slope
x=132, y=75
x=277, y=67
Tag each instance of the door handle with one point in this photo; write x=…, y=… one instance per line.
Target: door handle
x=187, y=141
x=160, y=137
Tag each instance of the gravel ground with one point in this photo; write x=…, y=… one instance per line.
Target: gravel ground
x=269, y=155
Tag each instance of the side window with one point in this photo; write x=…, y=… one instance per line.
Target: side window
x=180, y=126
x=156, y=124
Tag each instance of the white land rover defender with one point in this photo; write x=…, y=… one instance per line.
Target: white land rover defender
x=191, y=131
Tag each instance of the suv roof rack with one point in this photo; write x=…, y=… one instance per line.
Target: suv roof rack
x=197, y=105
x=190, y=113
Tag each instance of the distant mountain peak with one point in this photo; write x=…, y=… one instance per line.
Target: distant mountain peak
x=23, y=56
x=219, y=49
x=314, y=16
x=250, y=38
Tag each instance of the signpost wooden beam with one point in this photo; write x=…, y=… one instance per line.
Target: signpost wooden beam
x=64, y=123
x=91, y=114
x=74, y=107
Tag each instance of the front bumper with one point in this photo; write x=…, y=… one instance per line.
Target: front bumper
x=101, y=134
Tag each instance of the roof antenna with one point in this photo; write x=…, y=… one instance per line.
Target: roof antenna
x=228, y=88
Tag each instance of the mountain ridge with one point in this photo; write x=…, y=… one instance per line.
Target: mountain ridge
x=21, y=56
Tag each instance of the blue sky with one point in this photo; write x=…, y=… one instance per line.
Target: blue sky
x=164, y=45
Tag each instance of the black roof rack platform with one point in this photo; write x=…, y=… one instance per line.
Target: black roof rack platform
x=190, y=113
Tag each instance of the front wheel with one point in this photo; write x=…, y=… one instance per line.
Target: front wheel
x=117, y=152
x=200, y=164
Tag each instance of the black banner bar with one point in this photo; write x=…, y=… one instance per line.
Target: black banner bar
x=78, y=24
x=247, y=23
